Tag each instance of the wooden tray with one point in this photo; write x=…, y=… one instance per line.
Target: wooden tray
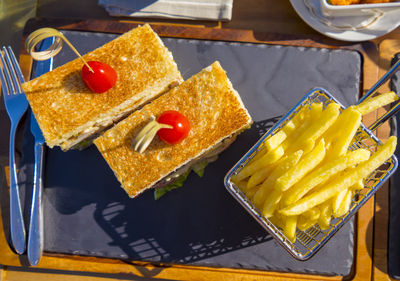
x=362, y=266
x=387, y=49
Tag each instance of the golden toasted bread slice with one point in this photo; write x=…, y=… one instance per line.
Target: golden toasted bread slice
x=215, y=111
x=68, y=112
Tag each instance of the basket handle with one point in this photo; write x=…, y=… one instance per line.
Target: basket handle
x=394, y=110
x=381, y=81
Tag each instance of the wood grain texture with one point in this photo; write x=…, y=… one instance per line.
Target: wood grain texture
x=178, y=31
x=363, y=262
x=388, y=48
x=363, y=259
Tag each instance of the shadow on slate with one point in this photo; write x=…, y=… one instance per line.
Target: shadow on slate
x=87, y=213
x=394, y=216
x=24, y=157
x=160, y=230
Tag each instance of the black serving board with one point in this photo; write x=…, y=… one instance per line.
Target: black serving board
x=87, y=213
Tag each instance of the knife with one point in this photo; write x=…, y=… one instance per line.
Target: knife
x=35, y=237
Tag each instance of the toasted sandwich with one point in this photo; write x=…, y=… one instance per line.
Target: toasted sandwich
x=216, y=114
x=69, y=114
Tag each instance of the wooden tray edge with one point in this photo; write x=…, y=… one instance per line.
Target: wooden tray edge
x=387, y=49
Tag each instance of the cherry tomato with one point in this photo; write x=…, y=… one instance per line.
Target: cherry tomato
x=102, y=79
x=180, y=124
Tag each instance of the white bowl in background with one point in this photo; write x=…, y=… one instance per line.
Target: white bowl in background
x=310, y=12
x=357, y=9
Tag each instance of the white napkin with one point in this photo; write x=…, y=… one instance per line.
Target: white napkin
x=179, y=9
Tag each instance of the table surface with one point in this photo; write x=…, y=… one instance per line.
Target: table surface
x=256, y=15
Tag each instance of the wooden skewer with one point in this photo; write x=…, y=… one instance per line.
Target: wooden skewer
x=147, y=134
x=38, y=35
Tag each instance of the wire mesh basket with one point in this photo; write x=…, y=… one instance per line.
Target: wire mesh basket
x=308, y=242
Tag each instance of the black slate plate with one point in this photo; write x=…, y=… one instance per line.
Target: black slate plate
x=87, y=213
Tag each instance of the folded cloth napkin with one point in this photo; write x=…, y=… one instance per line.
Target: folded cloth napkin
x=180, y=9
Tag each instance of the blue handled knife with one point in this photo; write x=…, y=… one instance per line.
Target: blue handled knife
x=35, y=237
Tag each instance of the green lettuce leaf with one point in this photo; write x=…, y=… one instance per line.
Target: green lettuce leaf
x=158, y=192
x=199, y=167
x=84, y=144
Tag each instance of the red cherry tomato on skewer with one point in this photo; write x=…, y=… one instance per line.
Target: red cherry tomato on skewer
x=102, y=79
x=180, y=127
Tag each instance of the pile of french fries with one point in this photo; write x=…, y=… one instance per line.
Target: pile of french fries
x=306, y=172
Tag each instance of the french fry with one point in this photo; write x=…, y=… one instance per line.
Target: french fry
x=337, y=201
x=312, y=214
x=374, y=103
x=309, y=116
x=321, y=174
x=308, y=219
x=316, y=110
x=260, y=196
x=302, y=125
x=274, y=141
x=259, y=155
x=383, y=153
x=277, y=220
x=301, y=116
x=294, y=136
x=304, y=225
x=251, y=191
x=345, y=204
x=333, y=130
x=306, y=164
x=317, y=127
x=271, y=202
x=348, y=179
x=289, y=228
x=289, y=127
x=242, y=185
x=325, y=215
x=283, y=166
x=261, y=175
x=261, y=163
x=308, y=145
x=270, y=144
x=357, y=186
x=347, y=124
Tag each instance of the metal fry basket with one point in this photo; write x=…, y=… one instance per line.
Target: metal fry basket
x=310, y=241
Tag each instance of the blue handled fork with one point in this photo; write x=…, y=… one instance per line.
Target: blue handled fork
x=16, y=104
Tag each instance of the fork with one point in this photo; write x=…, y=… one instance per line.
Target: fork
x=16, y=105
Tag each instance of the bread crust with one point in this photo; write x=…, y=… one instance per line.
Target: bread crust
x=214, y=110
x=65, y=108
